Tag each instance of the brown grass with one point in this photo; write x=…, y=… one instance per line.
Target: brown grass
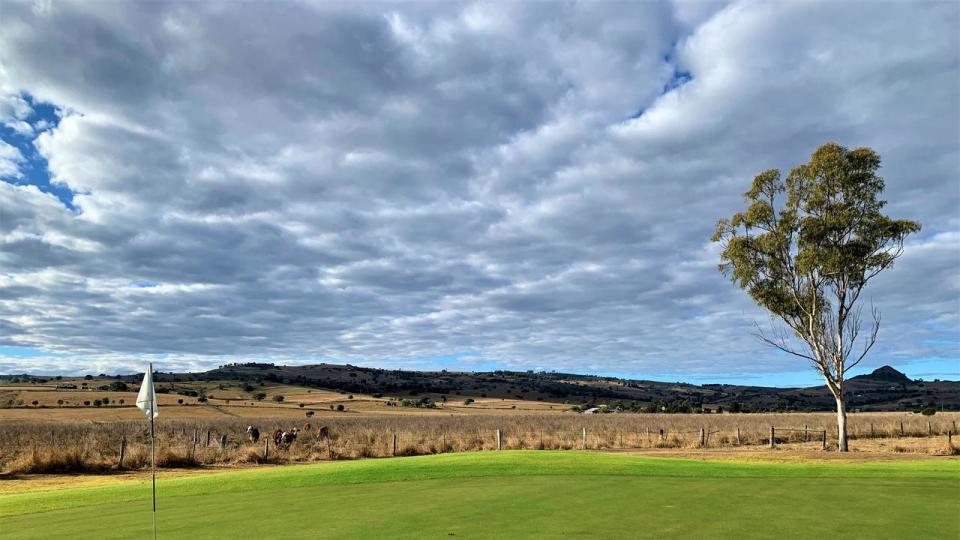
x=37, y=447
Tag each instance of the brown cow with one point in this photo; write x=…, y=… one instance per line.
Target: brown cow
x=323, y=433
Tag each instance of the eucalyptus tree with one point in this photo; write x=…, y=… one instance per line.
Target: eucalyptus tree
x=804, y=248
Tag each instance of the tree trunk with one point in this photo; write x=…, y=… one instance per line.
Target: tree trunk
x=841, y=424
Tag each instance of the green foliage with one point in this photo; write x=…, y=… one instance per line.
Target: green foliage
x=928, y=411
x=278, y=398
x=828, y=232
x=118, y=386
x=340, y=407
x=468, y=401
x=260, y=396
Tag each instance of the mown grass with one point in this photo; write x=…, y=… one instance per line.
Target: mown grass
x=513, y=494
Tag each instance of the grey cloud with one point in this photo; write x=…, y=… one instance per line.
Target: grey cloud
x=388, y=183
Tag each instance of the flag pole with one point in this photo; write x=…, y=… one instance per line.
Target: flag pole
x=153, y=456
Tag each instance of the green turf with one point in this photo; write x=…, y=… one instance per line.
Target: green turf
x=523, y=494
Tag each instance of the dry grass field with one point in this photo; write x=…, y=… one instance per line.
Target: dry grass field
x=66, y=446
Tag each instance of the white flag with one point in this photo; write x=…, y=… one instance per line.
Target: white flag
x=147, y=398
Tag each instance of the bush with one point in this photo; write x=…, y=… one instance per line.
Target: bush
x=278, y=398
x=928, y=411
x=468, y=401
x=35, y=403
x=259, y=396
x=87, y=403
x=180, y=401
x=350, y=396
x=97, y=403
x=309, y=414
x=377, y=395
x=340, y=407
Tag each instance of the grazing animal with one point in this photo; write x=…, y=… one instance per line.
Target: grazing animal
x=277, y=433
x=287, y=438
x=306, y=427
x=323, y=433
x=253, y=433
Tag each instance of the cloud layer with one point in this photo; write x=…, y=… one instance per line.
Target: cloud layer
x=522, y=185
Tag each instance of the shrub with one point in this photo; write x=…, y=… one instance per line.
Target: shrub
x=340, y=407
x=377, y=395
x=35, y=403
x=260, y=396
x=87, y=403
x=468, y=401
x=278, y=398
x=97, y=403
x=180, y=401
x=106, y=401
x=928, y=411
x=309, y=414
x=350, y=396
x=301, y=405
x=60, y=402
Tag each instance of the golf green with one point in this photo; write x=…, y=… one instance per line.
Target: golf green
x=516, y=494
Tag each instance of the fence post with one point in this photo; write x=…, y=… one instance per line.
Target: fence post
x=901, y=428
x=949, y=439
x=541, y=440
x=123, y=450
x=703, y=439
x=584, y=438
x=443, y=445
x=871, y=430
x=823, y=445
x=772, y=440
x=223, y=441
x=621, y=439
x=208, y=437
x=394, y=452
x=499, y=440
x=266, y=449
x=661, y=434
x=929, y=428
x=738, y=435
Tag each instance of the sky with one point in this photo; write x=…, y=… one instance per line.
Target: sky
x=451, y=185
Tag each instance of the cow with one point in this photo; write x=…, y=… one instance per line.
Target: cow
x=323, y=433
x=307, y=426
x=287, y=438
x=253, y=433
x=277, y=433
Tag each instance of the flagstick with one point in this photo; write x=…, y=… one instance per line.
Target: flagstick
x=153, y=459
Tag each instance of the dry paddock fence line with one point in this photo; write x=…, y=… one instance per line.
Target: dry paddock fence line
x=68, y=447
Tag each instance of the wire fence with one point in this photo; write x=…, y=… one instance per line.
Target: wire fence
x=57, y=447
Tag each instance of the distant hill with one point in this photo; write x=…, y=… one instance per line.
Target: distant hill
x=885, y=389
x=885, y=374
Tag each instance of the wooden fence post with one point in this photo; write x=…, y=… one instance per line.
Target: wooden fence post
x=661, y=434
x=823, y=445
x=901, y=428
x=772, y=439
x=394, y=452
x=738, y=435
x=929, y=428
x=266, y=449
x=443, y=445
x=584, y=438
x=208, y=437
x=621, y=439
x=541, y=440
x=871, y=430
x=806, y=434
x=123, y=450
x=499, y=440
x=949, y=439
x=703, y=438
x=223, y=441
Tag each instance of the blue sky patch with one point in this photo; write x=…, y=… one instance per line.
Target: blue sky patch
x=43, y=117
